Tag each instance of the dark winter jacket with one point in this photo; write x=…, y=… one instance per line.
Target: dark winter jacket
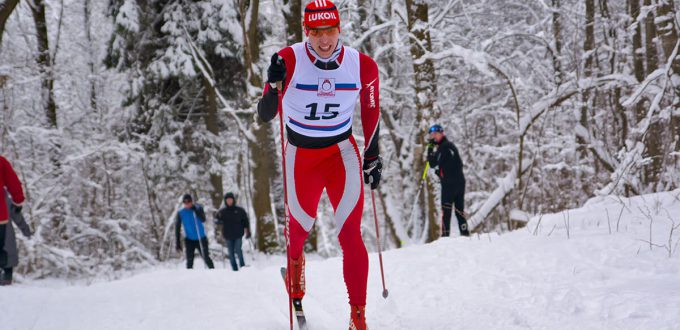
x=234, y=221
x=10, y=240
x=9, y=180
x=192, y=220
x=448, y=164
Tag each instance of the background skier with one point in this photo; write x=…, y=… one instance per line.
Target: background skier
x=10, y=245
x=234, y=222
x=9, y=181
x=192, y=217
x=446, y=161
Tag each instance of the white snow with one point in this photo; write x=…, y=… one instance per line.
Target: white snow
x=587, y=268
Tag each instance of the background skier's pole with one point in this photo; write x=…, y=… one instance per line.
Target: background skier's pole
x=279, y=87
x=377, y=235
x=420, y=188
x=198, y=233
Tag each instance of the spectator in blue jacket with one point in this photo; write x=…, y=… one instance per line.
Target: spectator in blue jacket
x=192, y=217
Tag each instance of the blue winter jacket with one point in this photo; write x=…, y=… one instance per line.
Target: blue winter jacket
x=192, y=220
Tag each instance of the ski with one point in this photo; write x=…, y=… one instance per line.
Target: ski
x=297, y=306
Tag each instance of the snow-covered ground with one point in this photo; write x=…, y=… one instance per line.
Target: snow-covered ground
x=564, y=271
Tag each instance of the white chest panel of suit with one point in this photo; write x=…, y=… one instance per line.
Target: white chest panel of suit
x=320, y=103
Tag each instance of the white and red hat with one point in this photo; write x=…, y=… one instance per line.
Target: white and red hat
x=321, y=13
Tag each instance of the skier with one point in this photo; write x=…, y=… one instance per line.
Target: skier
x=234, y=222
x=192, y=217
x=321, y=80
x=9, y=181
x=449, y=167
x=10, y=245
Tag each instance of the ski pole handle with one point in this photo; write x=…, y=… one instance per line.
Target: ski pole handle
x=427, y=167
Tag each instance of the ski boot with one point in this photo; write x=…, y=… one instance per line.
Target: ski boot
x=297, y=271
x=357, y=319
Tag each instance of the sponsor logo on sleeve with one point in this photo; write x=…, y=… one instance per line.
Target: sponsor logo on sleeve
x=371, y=94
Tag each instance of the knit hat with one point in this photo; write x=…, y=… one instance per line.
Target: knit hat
x=321, y=13
x=187, y=198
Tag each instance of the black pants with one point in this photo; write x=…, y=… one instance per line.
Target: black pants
x=3, y=254
x=453, y=200
x=7, y=274
x=191, y=246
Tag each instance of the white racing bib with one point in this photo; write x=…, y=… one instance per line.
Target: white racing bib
x=320, y=103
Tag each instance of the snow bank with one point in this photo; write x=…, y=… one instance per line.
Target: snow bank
x=588, y=268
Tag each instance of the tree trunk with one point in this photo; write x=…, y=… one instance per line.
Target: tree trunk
x=254, y=41
x=588, y=47
x=653, y=141
x=212, y=125
x=638, y=64
x=292, y=12
x=666, y=25
x=45, y=62
x=263, y=151
x=91, y=57
x=557, y=35
x=6, y=9
x=425, y=91
x=615, y=95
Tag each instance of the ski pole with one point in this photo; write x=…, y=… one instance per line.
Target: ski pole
x=377, y=235
x=420, y=188
x=279, y=87
x=198, y=233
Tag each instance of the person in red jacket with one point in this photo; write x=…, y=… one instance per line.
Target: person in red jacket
x=321, y=81
x=9, y=181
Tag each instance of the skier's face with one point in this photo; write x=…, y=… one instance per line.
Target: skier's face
x=436, y=136
x=324, y=40
x=187, y=204
x=230, y=201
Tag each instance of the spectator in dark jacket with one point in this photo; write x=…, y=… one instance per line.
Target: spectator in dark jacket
x=10, y=247
x=447, y=163
x=192, y=217
x=9, y=181
x=234, y=222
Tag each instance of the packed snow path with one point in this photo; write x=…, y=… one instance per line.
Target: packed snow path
x=539, y=277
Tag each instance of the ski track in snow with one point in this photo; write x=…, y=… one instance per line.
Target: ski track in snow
x=591, y=280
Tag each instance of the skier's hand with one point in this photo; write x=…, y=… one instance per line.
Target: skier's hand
x=247, y=234
x=372, y=171
x=277, y=69
x=18, y=208
x=430, y=143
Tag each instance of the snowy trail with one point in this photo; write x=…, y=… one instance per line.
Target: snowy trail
x=591, y=280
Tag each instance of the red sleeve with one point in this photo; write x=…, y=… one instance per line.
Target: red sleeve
x=11, y=181
x=369, y=97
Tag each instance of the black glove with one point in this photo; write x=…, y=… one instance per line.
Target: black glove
x=18, y=208
x=277, y=69
x=430, y=143
x=247, y=234
x=372, y=172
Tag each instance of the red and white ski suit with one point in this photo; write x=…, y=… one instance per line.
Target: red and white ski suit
x=318, y=106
